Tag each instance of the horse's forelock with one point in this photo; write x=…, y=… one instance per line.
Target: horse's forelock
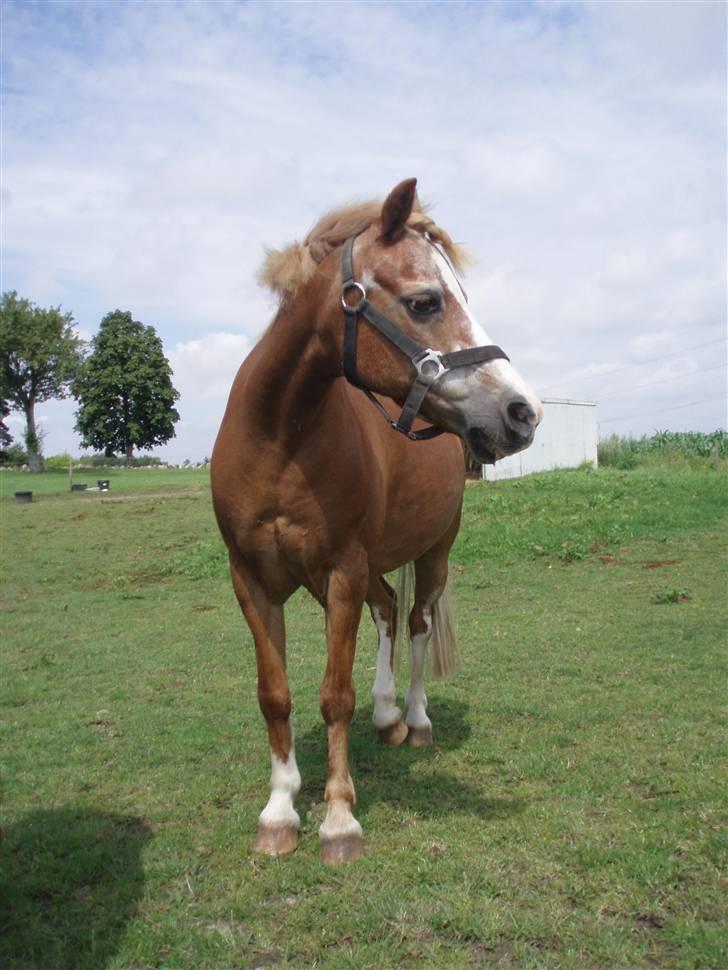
x=284, y=271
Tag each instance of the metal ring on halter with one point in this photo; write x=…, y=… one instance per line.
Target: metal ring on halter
x=430, y=356
x=353, y=307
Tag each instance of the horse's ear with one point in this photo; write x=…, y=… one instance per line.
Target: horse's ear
x=397, y=209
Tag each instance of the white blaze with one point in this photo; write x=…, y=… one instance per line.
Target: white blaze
x=500, y=375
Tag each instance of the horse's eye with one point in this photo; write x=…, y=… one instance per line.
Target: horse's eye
x=423, y=306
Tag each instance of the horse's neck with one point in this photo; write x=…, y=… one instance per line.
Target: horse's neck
x=291, y=372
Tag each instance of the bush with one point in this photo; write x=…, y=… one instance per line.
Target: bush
x=101, y=461
x=58, y=462
x=14, y=455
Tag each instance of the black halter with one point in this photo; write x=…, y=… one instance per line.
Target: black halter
x=430, y=365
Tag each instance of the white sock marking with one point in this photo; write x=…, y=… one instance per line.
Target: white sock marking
x=416, y=699
x=285, y=783
x=386, y=712
x=339, y=823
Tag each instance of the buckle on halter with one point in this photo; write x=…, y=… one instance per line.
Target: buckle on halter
x=353, y=307
x=412, y=435
x=429, y=365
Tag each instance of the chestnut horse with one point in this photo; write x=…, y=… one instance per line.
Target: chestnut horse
x=311, y=487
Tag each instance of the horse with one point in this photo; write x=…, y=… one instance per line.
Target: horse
x=315, y=484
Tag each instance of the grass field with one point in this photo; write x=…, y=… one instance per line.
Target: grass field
x=571, y=812
x=122, y=480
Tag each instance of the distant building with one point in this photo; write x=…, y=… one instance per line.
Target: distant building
x=566, y=438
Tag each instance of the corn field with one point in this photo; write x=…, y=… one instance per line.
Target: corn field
x=671, y=445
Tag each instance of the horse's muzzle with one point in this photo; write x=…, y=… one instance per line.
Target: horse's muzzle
x=513, y=432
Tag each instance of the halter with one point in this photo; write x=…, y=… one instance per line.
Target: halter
x=429, y=364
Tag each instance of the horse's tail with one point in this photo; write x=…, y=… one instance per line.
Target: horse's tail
x=404, y=588
x=444, y=655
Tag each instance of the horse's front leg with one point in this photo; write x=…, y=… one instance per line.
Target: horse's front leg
x=340, y=833
x=278, y=823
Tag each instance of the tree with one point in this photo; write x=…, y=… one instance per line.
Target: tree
x=6, y=438
x=124, y=389
x=39, y=357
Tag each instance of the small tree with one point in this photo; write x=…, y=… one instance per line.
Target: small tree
x=125, y=389
x=39, y=356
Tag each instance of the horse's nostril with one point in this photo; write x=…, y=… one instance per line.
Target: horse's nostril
x=521, y=413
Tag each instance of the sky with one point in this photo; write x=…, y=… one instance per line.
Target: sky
x=150, y=150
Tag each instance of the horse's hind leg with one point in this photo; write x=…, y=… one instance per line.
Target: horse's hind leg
x=278, y=823
x=419, y=725
x=387, y=717
x=430, y=583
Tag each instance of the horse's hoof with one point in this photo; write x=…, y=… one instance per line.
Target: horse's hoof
x=420, y=737
x=280, y=840
x=394, y=734
x=344, y=849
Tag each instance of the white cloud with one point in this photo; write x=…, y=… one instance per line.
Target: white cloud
x=577, y=149
x=204, y=369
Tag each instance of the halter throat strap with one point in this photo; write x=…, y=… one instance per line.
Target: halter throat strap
x=430, y=365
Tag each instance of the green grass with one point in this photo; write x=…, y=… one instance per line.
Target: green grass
x=122, y=480
x=571, y=812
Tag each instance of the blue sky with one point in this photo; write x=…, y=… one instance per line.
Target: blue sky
x=151, y=149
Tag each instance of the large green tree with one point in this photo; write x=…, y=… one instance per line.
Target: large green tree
x=124, y=389
x=40, y=355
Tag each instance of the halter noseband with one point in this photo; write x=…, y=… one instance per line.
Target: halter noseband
x=429, y=364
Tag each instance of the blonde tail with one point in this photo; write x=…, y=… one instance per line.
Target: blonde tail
x=404, y=589
x=444, y=656
x=445, y=653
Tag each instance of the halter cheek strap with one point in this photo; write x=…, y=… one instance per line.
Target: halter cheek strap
x=429, y=364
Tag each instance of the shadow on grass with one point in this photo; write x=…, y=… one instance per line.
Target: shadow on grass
x=393, y=775
x=70, y=880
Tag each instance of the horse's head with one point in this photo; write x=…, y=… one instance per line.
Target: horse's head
x=407, y=277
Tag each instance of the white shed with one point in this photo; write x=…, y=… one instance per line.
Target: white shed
x=566, y=438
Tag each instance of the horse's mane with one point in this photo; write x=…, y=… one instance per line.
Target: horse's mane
x=285, y=270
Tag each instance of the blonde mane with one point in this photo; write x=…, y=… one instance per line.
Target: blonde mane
x=285, y=270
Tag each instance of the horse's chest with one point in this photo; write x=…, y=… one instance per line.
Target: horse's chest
x=295, y=540
x=287, y=549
